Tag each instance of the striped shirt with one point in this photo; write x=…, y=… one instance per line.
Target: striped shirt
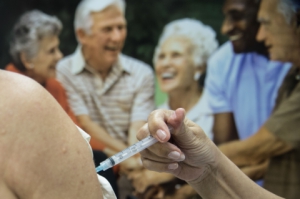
x=126, y=95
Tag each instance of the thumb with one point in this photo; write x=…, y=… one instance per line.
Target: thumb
x=182, y=128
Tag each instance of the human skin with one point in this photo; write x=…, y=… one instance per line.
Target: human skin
x=198, y=160
x=175, y=70
x=42, y=153
x=42, y=66
x=101, y=48
x=241, y=26
x=280, y=37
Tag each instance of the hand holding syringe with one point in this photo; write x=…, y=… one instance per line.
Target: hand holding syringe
x=126, y=153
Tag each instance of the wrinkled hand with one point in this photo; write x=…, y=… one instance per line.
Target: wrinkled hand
x=142, y=179
x=186, y=153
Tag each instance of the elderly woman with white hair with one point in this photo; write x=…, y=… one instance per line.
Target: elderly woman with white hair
x=180, y=64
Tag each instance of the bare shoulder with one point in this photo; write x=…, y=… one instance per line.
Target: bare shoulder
x=44, y=154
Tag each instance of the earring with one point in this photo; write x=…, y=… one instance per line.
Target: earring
x=197, y=76
x=31, y=66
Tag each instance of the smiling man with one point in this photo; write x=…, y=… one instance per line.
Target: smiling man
x=110, y=93
x=242, y=82
x=279, y=137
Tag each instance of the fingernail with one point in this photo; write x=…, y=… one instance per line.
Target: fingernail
x=174, y=155
x=173, y=116
x=173, y=166
x=182, y=157
x=161, y=134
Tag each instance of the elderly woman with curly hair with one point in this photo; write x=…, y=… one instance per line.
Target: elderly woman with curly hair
x=180, y=64
x=34, y=49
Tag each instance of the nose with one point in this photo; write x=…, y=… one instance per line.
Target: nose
x=162, y=62
x=116, y=35
x=58, y=55
x=261, y=34
x=227, y=26
x=165, y=62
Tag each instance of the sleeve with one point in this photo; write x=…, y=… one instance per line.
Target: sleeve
x=75, y=100
x=215, y=86
x=284, y=122
x=108, y=192
x=143, y=103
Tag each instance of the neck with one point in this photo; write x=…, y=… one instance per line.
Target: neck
x=101, y=67
x=184, y=98
x=30, y=74
x=261, y=49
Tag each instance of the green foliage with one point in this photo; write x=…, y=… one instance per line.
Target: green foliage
x=146, y=19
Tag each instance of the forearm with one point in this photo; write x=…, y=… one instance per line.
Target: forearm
x=133, y=129
x=224, y=128
x=256, y=172
x=102, y=136
x=228, y=181
x=257, y=148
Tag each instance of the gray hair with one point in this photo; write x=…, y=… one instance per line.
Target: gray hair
x=202, y=37
x=288, y=8
x=83, y=12
x=27, y=33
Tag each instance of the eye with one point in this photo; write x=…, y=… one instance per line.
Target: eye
x=121, y=27
x=176, y=54
x=161, y=56
x=52, y=51
x=107, y=29
x=235, y=15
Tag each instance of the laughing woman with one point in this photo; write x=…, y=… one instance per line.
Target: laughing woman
x=180, y=63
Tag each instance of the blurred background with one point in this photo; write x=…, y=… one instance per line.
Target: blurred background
x=145, y=18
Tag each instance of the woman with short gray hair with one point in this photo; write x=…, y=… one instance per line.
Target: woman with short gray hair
x=34, y=49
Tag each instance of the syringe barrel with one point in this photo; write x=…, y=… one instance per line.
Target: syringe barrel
x=134, y=149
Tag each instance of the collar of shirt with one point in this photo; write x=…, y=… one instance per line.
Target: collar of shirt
x=79, y=63
x=198, y=110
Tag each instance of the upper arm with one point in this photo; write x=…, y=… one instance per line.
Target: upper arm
x=216, y=87
x=46, y=155
x=224, y=128
x=284, y=121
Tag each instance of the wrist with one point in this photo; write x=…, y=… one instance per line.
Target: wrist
x=209, y=170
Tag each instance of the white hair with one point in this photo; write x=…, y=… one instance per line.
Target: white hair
x=202, y=37
x=28, y=32
x=83, y=12
x=288, y=8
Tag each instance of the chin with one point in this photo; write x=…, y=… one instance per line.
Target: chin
x=238, y=47
x=276, y=56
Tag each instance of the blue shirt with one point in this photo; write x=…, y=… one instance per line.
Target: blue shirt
x=245, y=84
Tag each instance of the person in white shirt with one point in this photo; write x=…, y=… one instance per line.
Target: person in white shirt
x=180, y=64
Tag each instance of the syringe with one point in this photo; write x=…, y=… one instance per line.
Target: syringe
x=126, y=153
